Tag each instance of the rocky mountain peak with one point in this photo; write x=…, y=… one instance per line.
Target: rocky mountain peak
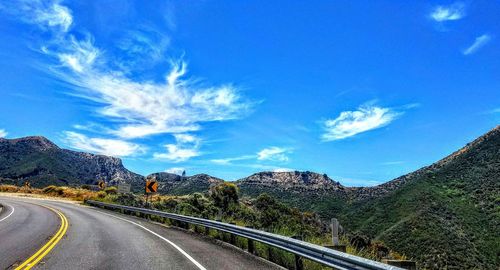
x=38, y=143
x=205, y=177
x=296, y=180
x=39, y=160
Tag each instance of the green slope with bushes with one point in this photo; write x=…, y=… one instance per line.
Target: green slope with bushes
x=447, y=216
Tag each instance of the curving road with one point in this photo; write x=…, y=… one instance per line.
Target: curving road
x=99, y=239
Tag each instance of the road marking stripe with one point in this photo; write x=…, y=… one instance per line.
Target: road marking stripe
x=11, y=212
x=43, y=251
x=44, y=246
x=163, y=238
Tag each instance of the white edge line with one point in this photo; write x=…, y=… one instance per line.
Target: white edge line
x=11, y=212
x=163, y=238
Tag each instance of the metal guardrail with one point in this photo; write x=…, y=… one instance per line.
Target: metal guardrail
x=322, y=255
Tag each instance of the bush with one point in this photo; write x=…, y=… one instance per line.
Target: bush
x=101, y=194
x=9, y=188
x=53, y=190
x=111, y=190
x=224, y=194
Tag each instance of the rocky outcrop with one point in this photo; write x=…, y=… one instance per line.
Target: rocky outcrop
x=38, y=160
x=293, y=181
x=174, y=184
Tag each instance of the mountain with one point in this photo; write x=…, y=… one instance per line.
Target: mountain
x=293, y=182
x=38, y=160
x=445, y=216
x=174, y=184
x=308, y=191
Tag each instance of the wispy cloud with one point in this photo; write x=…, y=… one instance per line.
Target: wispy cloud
x=228, y=161
x=479, y=42
x=45, y=14
x=186, y=147
x=283, y=170
x=176, y=170
x=135, y=107
x=274, y=154
x=112, y=147
x=453, y=12
x=350, y=123
x=3, y=133
x=148, y=108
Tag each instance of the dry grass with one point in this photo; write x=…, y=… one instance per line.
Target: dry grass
x=76, y=194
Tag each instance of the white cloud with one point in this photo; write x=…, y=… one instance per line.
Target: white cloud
x=228, y=161
x=142, y=108
x=3, y=133
x=185, y=148
x=79, y=55
x=452, y=12
x=350, y=123
x=111, y=147
x=283, y=170
x=134, y=106
x=148, y=108
x=176, y=170
x=44, y=13
x=479, y=42
x=274, y=154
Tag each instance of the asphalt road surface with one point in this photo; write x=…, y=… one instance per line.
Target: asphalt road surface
x=100, y=239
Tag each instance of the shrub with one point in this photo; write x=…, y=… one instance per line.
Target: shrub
x=9, y=188
x=101, y=194
x=111, y=190
x=224, y=194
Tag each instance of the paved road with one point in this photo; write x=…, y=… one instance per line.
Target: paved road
x=99, y=239
x=24, y=228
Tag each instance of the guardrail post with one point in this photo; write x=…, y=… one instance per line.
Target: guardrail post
x=250, y=243
x=335, y=237
x=270, y=253
x=299, y=264
x=207, y=230
x=232, y=237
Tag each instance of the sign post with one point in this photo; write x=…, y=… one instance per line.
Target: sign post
x=151, y=187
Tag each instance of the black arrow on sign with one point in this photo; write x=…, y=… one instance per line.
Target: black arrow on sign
x=151, y=187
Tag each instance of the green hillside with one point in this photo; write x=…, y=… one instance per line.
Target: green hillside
x=447, y=215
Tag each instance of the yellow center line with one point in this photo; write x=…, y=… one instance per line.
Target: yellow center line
x=43, y=251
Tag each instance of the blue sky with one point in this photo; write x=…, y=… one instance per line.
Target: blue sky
x=363, y=91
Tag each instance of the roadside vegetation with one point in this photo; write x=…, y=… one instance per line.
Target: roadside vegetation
x=222, y=202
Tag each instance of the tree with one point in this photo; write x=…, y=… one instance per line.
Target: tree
x=224, y=194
